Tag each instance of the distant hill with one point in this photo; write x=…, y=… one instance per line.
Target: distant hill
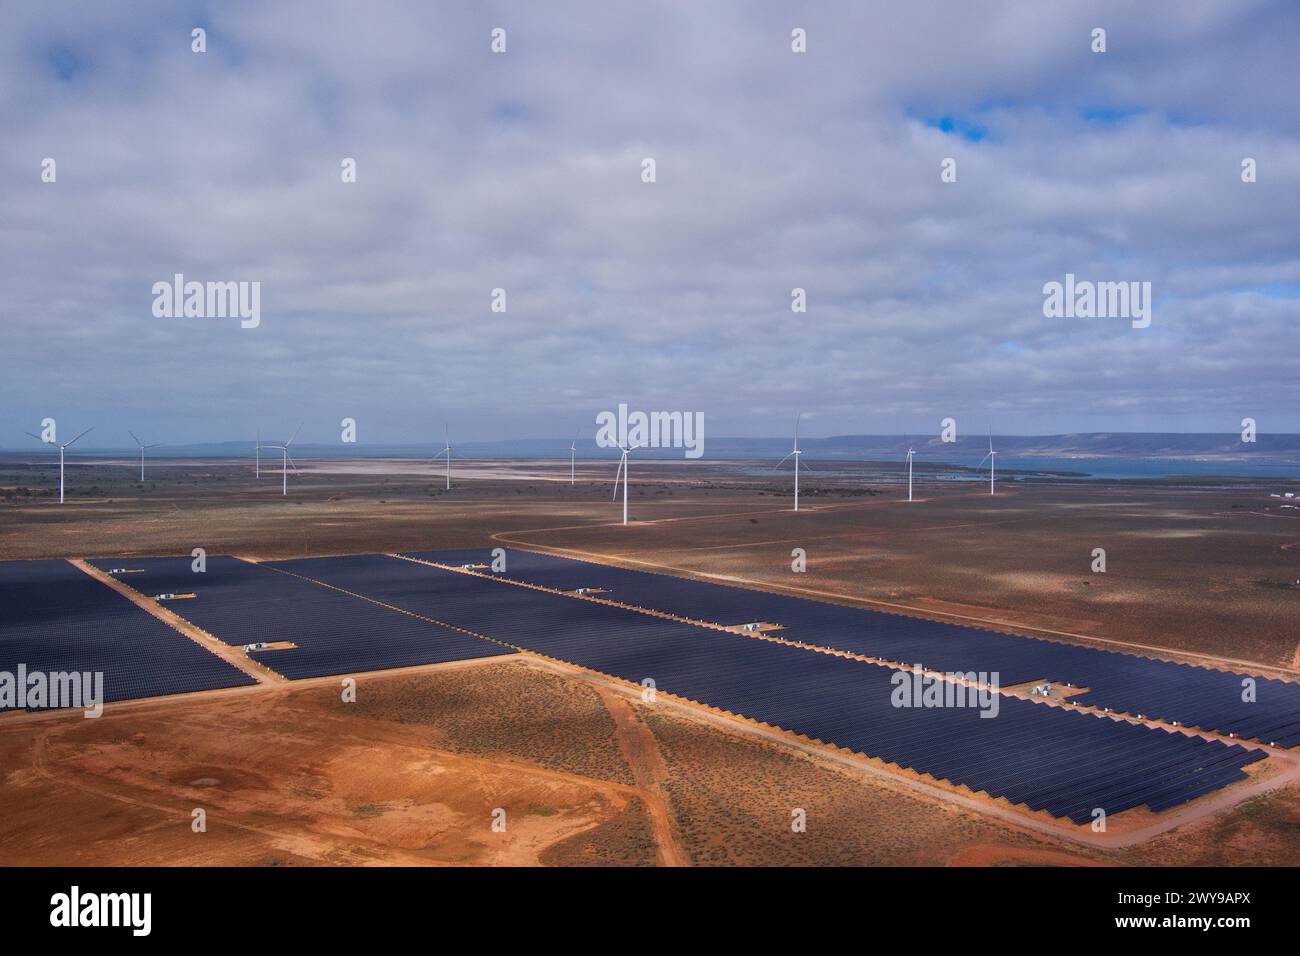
x=1084, y=445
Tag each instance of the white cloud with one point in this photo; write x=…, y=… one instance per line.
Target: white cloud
x=775, y=171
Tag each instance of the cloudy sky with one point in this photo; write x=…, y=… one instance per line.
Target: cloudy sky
x=523, y=171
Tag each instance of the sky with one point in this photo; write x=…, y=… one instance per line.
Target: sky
x=523, y=171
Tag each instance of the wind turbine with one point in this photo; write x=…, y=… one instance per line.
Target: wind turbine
x=622, y=470
x=67, y=444
x=446, y=450
x=573, y=451
x=992, y=459
x=285, y=461
x=143, y=446
x=257, y=459
x=795, y=455
x=910, y=453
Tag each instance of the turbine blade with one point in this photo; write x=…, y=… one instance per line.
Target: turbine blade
x=294, y=435
x=39, y=438
x=86, y=432
x=782, y=461
x=137, y=440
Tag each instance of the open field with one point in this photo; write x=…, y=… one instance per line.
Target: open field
x=292, y=776
x=410, y=773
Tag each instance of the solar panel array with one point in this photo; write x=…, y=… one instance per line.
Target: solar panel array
x=1126, y=683
x=56, y=618
x=1062, y=761
x=240, y=602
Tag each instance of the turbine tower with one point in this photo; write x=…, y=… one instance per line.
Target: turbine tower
x=257, y=459
x=910, y=453
x=65, y=445
x=446, y=450
x=795, y=455
x=992, y=459
x=573, y=451
x=143, y=446
x=285, y=460
x=622, y=470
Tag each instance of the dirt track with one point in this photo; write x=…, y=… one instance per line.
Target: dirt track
x=641, y=751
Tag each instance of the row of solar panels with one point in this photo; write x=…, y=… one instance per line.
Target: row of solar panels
x=1066, y=762
x=240, y=602
x=1126, y=683
x=55, y=618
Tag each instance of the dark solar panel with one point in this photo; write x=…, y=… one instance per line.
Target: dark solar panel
x=1126, y=683
x=240, y=602
x=1066, y=762
x=56, y=618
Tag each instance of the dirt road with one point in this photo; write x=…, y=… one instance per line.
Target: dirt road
x=641, y=751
